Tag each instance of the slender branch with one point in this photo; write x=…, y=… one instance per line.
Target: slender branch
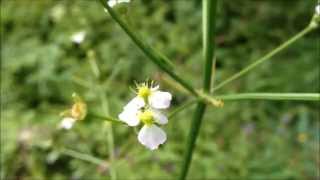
x=110, y=138
x=208, y=17
x=272, y=96
x=266, y=57
x=147, y=49
x=83, y=157
x=105, y=107
x=153, y=55
x=106, y=118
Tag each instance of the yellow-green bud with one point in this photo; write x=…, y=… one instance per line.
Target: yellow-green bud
x=79, y=110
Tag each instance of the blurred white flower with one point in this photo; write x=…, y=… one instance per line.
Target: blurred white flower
x=112, y=3
x=67, y=123
x=145, y=108
x=57, y=12
x=78, y=37
x=318, y=9
x=25, y=135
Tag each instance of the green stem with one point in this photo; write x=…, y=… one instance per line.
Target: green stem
x=193, y=134
x=106, y=118
x=272, y=96
x=160, y=60
x=83, y=157
x=208, y=17
x=147, y=49
x=105, y=107
x=265, y=57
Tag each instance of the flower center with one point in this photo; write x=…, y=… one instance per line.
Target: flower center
x=144, y=92
x=146, y=117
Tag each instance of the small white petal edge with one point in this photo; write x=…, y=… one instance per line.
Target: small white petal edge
x=67, y=123
x=159, y=117
x=129, y=116
x=135, y=104
x=151, y=136
x=160, y=100
x=78, y=37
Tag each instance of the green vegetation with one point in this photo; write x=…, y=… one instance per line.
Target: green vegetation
x=250, y=137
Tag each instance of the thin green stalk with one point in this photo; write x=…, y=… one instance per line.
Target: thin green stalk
x=106, y=118
x=208, y=17
x=193, y=134
x=105, y=107
x=148, y=50
x=153, y=55
x=83, y=156
x=266, y=57
x=81, y=82
x=272, y=96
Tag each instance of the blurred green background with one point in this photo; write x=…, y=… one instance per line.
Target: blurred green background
x=41, y=68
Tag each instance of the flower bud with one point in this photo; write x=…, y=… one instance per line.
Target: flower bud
x=79, y=110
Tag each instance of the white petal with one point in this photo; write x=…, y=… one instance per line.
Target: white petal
x=130, y=116
x=318, y=9
x=135, y=104
x=159, y=117
x=151, y=136
x=67, y=123
x=160, y=100
x=112, y=3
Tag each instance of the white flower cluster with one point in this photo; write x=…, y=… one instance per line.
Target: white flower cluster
x=146, y=108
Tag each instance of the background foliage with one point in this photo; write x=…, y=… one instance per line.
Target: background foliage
x=249, y=139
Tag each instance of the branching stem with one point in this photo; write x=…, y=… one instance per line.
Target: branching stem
x=208, y=18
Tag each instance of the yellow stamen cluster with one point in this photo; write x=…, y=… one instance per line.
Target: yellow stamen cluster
x=146, y=117
x=144, y=92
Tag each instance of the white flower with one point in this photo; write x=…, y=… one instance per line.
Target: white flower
x=78, y=37
x=67, y=123
x=112, y=3
x=150, y=134
x=145, y=108
x=318, y=9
